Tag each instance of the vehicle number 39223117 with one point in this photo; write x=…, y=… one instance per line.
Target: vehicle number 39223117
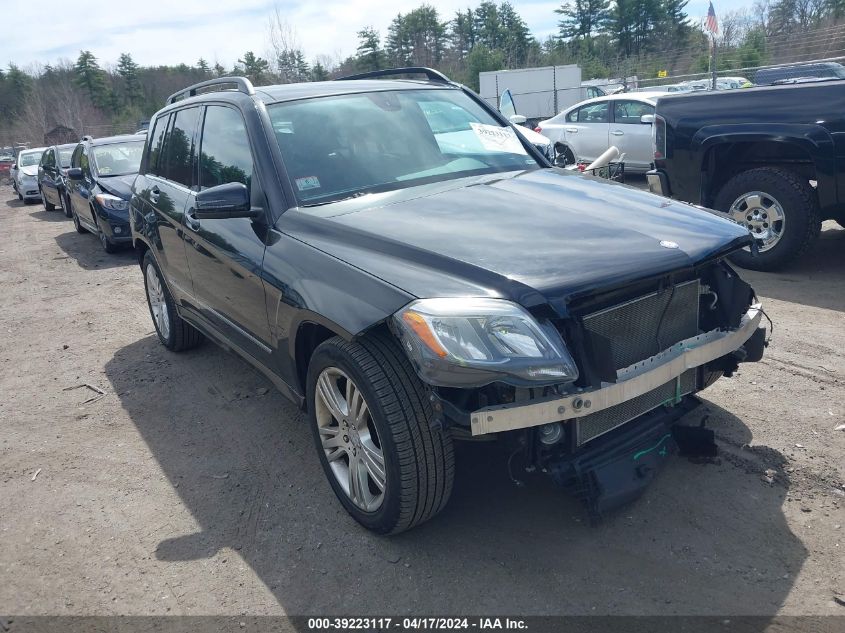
x=416, y=624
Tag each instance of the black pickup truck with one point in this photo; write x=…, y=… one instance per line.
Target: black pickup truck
x=772, y=158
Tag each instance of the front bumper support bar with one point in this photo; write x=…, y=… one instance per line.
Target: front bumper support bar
x=633, y=381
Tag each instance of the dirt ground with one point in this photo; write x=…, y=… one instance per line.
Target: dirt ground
x=192, y=487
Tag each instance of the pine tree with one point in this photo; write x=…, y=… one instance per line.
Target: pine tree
x=203, y=67
x=128, y=70
x=369, y=53
x=319, y=72
x=462, y=34
x=254, y=67
x=91, y=78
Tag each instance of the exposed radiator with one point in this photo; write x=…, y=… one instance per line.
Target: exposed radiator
x=591, y=426
x=644, y=326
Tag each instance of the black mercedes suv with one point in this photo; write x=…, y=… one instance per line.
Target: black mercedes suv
x=410, y=286
x=98, y=187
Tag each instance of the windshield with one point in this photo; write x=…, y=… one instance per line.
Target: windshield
x=349, y=145
x=64, y=157
x=118, y=159
x=29, y=159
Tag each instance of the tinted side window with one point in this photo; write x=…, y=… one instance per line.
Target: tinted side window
x=179, y=150
x=596, y=113
x=224, y=153
x=50, y=158
x=77, y=154
x=629, y=112
x=156, y=145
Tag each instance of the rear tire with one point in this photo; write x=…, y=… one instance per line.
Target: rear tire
x=66, y=205
x=48, y=206
x=173, y=332
x=418, y=463
x=799, y=205
x=77, y=224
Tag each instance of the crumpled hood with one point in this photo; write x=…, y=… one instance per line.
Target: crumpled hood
x=30, y=170
x=120, y=186
x=538, y=236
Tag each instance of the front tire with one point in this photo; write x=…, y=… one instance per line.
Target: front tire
x=780, y=209
x=173, y=332
x=371, y=421
x=48, y=206
x=108, y=246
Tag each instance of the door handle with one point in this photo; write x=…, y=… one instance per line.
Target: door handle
x=571, y=130
x=618, y=133
x=191, y=220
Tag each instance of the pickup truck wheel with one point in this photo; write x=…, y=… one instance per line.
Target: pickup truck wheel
x=779, y=209
x=371, y=421
x=174, y=333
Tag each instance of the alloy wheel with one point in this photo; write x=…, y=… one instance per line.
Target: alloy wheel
x=762, y=215
x=158, y=302
x=349, y=439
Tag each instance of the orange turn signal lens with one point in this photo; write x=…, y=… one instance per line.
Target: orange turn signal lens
x=418, y=324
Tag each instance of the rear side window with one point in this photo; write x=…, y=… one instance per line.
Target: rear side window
x=156, y=145
x=179, y=149
x=224, y=154
x=596, y=113
x=629, y=112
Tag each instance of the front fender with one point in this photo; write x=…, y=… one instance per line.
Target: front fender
x=813, y=139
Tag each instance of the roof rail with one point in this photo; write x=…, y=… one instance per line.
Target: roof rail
x=242, y=84
x=430, y=73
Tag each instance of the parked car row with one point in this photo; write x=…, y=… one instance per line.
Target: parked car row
x=89, y=181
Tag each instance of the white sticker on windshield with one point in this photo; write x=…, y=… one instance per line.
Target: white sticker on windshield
x=498, y=139
x=308, y=182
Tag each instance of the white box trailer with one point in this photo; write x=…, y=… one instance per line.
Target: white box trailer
x=538, y=93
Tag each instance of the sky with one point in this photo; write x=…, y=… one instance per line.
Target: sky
x=183, y=31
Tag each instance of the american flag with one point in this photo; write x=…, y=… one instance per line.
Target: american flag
x=711, y=24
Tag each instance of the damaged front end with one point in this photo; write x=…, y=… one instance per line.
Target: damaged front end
x=640, y=354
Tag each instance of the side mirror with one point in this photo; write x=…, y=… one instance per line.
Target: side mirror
x=74, y=173
x=518, y=119
x=647, y=119
x=231, y=200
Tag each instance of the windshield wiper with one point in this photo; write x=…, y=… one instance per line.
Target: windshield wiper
x=357, y=194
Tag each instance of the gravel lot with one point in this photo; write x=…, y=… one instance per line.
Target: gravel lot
x=192, y=487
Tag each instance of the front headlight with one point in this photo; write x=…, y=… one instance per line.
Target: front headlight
x=470, y=342
x=111, y=203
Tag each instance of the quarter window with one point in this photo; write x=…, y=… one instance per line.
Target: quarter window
x=224, y=154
